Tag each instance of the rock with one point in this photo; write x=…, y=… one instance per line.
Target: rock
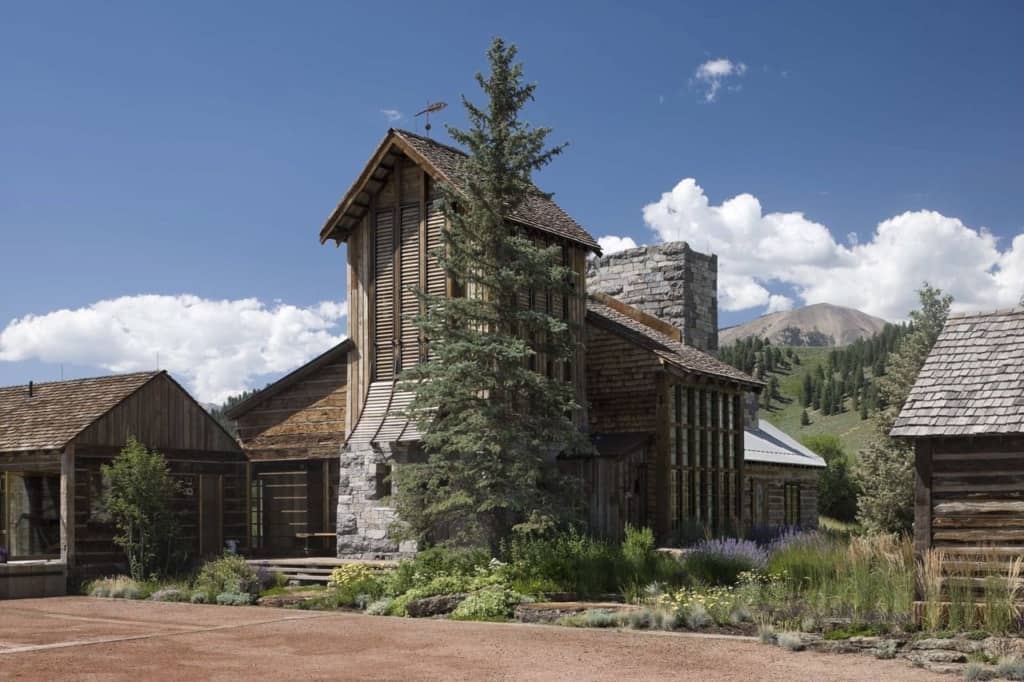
x=836, y=646
x=966, y=646
x=434, y=606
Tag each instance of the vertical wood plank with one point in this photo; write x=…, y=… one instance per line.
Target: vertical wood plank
x=661, y=459
x=922, y=496
x=67, y=507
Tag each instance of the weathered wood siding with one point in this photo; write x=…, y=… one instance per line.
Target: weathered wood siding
x=614, y=489
x=970, y=496
x=764, y=494
x=162, y=415
x=620, y=378
x=95, y=551
x=304, y=420
x=389, y=253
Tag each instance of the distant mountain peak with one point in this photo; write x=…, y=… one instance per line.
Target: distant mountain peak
x=818, y=324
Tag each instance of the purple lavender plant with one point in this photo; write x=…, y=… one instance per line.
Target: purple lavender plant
x=732, y=549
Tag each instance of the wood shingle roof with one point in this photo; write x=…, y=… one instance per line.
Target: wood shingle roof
x=60, y=410
x=669, y=350
x=972, y=383
x=445, y=163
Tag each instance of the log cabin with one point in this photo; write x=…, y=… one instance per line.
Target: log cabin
x=55, y=436
x=965, y=420
x=292, y=432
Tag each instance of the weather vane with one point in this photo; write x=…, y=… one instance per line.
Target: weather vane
x=431, y=108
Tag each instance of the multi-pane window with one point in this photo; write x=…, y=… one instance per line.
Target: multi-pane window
x=792, y=504
x=703, y=470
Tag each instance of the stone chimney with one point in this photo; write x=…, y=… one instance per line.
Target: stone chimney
x=670, y=281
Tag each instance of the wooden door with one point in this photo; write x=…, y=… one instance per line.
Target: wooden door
x=285, y=509
x=211, y=515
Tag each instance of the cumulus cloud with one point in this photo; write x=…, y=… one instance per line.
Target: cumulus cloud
x=611, y=244
x=391, y=115
x=778, y=303
x=217, y=347
x=879, y=275
x=714, y=73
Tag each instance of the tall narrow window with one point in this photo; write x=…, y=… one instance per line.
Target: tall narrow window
x=792, y=504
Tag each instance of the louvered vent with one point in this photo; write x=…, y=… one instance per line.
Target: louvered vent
x=410, y=274
x=384, y=295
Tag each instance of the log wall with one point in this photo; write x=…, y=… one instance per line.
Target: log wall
x=764, y=494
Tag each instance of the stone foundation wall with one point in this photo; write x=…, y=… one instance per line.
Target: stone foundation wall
x=364, y=513
x=670, y=281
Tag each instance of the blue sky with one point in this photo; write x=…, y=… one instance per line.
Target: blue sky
x=194, y=150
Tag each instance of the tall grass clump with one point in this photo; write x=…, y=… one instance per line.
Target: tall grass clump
x=1002, y=593
x=960, y=591
x=930, y=574
x=567, y=561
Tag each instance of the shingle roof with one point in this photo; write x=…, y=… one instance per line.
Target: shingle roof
x=668, y=349
x=768, y=444
x=60, y=410
x=538, y=212
x=973, y=380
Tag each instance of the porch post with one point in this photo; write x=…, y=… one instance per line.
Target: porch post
x=67, y=506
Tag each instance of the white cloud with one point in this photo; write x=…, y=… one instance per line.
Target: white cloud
x=611, y=244
x=391, y=115
x=879, y=276
x=714, y=73
x=778, y=303
x=217, y=347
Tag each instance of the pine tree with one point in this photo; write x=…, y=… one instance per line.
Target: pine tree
x=804, y=419
x=886, y=469
x=806, y=391
x=491, y=426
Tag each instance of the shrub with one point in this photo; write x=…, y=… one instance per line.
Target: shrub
x=171, y=594
x=234, y=599
x=721, y=561
x=976, y=671
x=433, y=562
x=118, y=587
x=563, y=562
x=229, y=573
x=379, y=607
x=199, y=598
x=491, y=604
x=791, y=641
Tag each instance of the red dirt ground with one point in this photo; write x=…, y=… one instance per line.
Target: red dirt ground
x=82, y=638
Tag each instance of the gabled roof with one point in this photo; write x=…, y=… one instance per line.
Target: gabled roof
x=768, y=444
x=657, y=336
x=328, y=357
x=972, y=383
x=60, y=410
x=445, y=164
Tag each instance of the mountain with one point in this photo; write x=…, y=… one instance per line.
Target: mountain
x=821, y=324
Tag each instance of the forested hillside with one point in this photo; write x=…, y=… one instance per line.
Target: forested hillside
x=819, y=390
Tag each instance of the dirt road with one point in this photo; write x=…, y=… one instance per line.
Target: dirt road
x=80, y=638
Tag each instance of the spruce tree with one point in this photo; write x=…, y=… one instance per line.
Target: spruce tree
x=491, y=423
x=885, y=472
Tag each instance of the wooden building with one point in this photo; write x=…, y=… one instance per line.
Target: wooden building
x=668, y=421
x=780, y=481
x=391, y=222
x=292, y=432
x=53, y=439
x=965, y=419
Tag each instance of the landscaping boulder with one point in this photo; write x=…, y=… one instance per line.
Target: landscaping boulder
x=434, y=606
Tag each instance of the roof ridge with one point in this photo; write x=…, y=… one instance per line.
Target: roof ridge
x=1013, y=310
x=123, y=375
x=403, y=131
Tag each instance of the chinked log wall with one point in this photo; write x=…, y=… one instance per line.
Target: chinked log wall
x=970, y=498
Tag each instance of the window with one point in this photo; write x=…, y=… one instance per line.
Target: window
x=792, y=504
x=31, y=514
x=382, y=481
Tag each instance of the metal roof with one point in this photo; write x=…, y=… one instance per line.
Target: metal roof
x=768, y=444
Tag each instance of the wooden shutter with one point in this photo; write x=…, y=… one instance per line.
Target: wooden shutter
x=384, y=295
x=435, y=225
x=410, y=276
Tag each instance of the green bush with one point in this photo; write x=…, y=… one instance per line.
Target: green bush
x=379, y=607
x=434, y=562
x=354, y=585
x=170, y=594
x=199, y=598
x=234, y=599
x=563, y=562
x=229, y=573
x=491, y=604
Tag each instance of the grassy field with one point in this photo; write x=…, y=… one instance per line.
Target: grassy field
x=848, y=426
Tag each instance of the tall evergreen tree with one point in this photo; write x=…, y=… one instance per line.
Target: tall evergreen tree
x=886, y=469
x=491, y=426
